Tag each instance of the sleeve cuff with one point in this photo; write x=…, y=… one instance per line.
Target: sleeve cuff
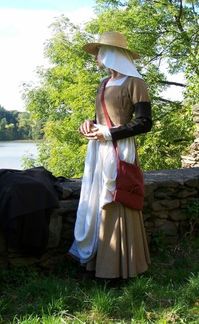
x=106, y=132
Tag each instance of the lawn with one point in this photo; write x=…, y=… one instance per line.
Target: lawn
x=167, y=293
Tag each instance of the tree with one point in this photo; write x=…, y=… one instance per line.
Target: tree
x=64, y=99
x=8, y=124
x=162, y=32
x=16, y=125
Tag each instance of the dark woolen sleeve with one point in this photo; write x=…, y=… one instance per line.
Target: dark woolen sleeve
x=142, y=121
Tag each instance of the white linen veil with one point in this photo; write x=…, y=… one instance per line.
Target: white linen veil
x=118, y=59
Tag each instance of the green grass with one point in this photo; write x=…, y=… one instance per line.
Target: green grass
x=167, y=293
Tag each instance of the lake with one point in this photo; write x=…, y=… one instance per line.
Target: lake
x=11, y=153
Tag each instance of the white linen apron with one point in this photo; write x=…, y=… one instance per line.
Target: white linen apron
x=98, y=186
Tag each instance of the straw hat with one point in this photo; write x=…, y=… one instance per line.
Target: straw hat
x=111, y=39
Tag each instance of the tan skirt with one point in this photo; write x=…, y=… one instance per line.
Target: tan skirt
x=122, y=249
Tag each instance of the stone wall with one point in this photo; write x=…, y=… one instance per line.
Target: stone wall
x=168, y=194
x=192, y=158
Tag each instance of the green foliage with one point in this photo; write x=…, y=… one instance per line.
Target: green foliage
x=192, y=213
x=16, y=125
x=66, y=98
x=163, y=32
x=193, y=210
x=172, y=130
x=8, y=124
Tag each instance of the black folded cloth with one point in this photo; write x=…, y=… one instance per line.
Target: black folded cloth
x=26, y=199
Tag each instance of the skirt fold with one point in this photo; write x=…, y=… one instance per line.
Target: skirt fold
x=122, y=245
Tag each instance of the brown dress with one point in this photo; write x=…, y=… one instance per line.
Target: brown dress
x=122, y=246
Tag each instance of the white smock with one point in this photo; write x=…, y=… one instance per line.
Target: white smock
x=98, y=184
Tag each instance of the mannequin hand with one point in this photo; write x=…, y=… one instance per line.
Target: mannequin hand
x=95, y=135
x=87, y=127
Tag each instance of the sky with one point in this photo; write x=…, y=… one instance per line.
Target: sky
x=24, y=28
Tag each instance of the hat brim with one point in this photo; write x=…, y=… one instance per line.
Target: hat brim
x=93, y=48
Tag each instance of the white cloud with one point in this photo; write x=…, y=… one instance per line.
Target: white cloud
x=22, y=37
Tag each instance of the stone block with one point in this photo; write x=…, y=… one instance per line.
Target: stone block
x=162, y=214
x=196, y=119
x=177, y=215
x=69, y=219
x=157, y=206
x=161, y=194
x=170, y=203
x=61, y=211
x=166, y=227
x=67, y=192
x=194, y=183
x=186, y=193
x=146, y=216
x=17, y=259
x=187, y=202
x=146, y=204
x=159, y=222
x=165, y=193
x=165, y=204
x=149, y=224
x=148, y=191
x=69, y=205
x=74, y=186
x=55, y=227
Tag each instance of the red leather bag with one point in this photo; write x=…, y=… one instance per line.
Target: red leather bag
x=129, y=181
x=129, y=185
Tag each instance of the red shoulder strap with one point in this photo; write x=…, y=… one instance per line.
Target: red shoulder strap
x=108, y=120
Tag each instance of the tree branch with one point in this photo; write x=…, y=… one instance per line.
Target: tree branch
x=166, y=100
x=172, y=83
x=180, y=12
x=163, y=51
x=179, y=24
x=193, y=8
x=177, y=84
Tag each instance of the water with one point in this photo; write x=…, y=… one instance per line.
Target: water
x=11, y=153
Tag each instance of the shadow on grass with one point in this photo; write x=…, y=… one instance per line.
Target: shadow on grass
x=167, y=293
